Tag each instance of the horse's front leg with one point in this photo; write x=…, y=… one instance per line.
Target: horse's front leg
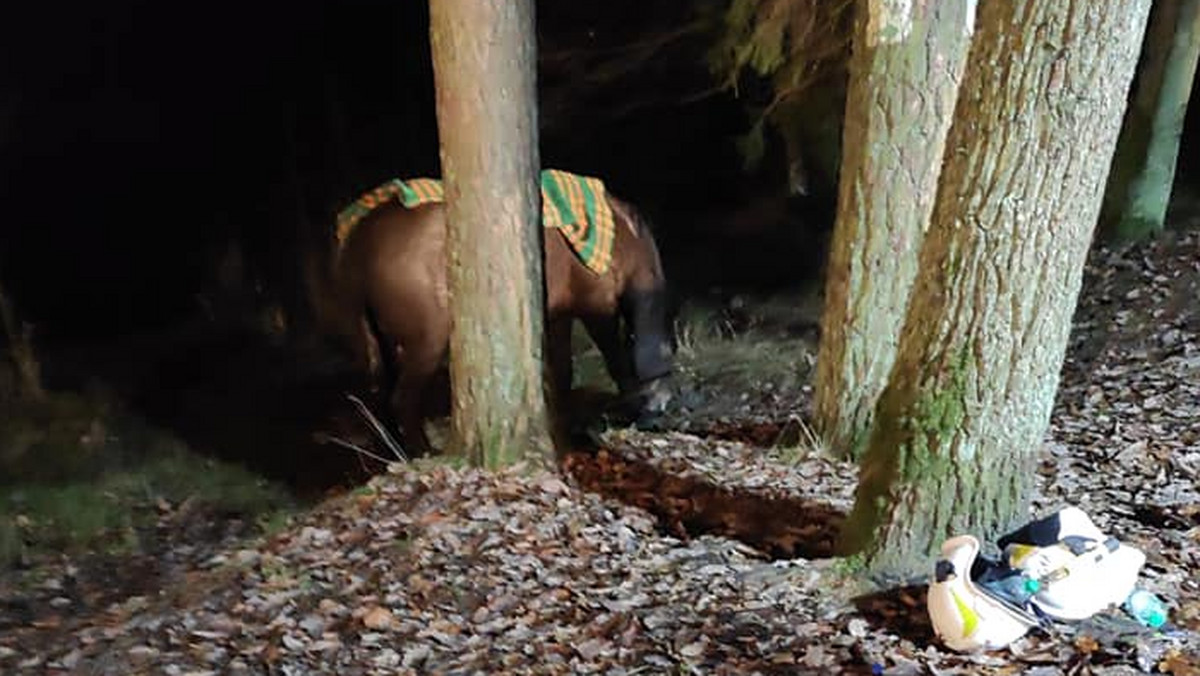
x=558, y=356
x=606, y=334
x=558, y=360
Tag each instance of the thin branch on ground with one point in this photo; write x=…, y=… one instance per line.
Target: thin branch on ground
x=377, y=427
x=329, y=438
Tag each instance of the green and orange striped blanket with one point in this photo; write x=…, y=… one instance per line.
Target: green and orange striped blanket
x=574, y=205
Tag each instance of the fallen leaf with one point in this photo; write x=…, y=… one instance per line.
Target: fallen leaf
x=553, y=486
x=377, y=618
x=1179, y=664
x=1086, y=644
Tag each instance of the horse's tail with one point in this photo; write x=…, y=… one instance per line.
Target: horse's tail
x=351, y=318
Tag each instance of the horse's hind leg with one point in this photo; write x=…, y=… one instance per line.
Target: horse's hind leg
x=412, y=387
x=388, y=379
x=382, y=356
x=370, y=346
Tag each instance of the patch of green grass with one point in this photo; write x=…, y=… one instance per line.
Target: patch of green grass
x=80, y=475
x=799, y=442
x=712, y=350
x=849, y=566
x=448, y=460
x=791, y=454
x=105, y=512
x=226, y=487
x=275, y=569
x=751, y=360
x=273, y=521
x=59, y=516
x=50, y=439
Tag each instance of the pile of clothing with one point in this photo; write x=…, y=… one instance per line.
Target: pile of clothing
x=1061, y=567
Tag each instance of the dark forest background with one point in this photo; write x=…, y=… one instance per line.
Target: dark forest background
x=138, y=140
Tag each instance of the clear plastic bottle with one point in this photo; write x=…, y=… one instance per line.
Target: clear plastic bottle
x=1146, y=608
x=1016, y=588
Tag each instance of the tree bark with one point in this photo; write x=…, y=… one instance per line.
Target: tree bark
x=904, y=77
x=960, y=424
x=1143, y=172
x=484, y=61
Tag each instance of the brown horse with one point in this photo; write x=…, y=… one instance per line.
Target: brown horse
x=391, y=274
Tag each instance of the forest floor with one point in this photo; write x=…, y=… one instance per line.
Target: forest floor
x=701, y=548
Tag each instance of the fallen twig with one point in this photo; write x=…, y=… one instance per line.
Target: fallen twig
x=377, y=427
x=329, y=438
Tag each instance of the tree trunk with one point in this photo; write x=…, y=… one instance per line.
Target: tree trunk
x=904, y=78
x=1143, y=171
x=483, y=59
x=960, y=425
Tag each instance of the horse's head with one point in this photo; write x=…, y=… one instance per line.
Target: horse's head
x=645, y=312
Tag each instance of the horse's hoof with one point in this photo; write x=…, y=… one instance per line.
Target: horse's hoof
x=649, y=422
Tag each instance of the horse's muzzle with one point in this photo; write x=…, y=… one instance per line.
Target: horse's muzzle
x=650, y=401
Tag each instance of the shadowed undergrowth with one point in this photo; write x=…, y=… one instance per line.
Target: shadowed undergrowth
x=78, y=473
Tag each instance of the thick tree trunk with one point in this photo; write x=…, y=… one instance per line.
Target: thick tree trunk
x=904, y=78
x=1143, y=171
x=483, y=59
x=962, y=420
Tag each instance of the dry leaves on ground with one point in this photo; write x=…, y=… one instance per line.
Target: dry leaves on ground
x=435, y=570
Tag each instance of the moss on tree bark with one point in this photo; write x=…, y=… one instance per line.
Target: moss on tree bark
x=484, y=73
x=962, y=420
x=904, y=75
